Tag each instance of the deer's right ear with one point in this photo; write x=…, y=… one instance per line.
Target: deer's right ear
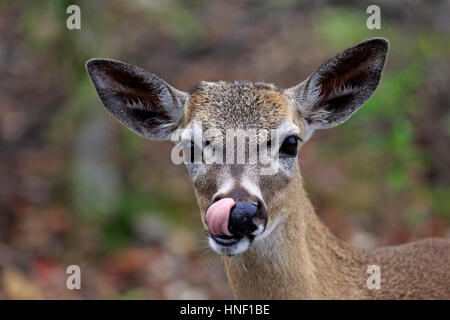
x=140, y=100
x=341, y=85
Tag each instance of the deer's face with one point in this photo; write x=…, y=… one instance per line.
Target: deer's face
x=243, y=136
x=238, y=194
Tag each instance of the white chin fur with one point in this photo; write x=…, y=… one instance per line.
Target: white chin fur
x=234, y=249
x=244, y=243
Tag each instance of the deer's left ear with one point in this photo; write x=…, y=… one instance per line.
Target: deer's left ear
x=341, y=85
x=140, y=100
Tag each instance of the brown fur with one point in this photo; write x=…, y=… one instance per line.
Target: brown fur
x=301, y=259
x=239, y=104
x=298, y=258
x=311, y=263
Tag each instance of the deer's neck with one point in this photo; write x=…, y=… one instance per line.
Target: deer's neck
x=299, y=259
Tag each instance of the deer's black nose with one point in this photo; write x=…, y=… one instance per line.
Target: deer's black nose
x=244, y=218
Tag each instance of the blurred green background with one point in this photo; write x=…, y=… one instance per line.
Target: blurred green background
x=78, y=188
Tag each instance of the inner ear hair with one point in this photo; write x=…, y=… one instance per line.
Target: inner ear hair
x=343, y=84
x=140, y=100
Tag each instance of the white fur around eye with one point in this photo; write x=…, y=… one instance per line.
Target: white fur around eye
x=287, y=165
x=196, y=171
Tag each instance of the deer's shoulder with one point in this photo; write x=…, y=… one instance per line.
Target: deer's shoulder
x=415, y=270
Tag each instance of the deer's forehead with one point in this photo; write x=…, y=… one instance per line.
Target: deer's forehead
x=238, y=105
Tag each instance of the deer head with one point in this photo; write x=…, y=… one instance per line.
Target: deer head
x=240, y=202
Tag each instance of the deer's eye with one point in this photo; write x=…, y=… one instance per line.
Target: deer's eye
x=192, y=152
x=289, y=146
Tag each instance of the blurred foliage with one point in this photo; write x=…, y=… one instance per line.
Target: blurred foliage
x=384, y=128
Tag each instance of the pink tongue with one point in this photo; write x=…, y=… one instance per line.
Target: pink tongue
x=217, y=217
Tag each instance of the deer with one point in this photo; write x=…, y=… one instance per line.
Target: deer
x=263, y=226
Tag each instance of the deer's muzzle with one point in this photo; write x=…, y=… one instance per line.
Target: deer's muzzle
x=227, y=218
